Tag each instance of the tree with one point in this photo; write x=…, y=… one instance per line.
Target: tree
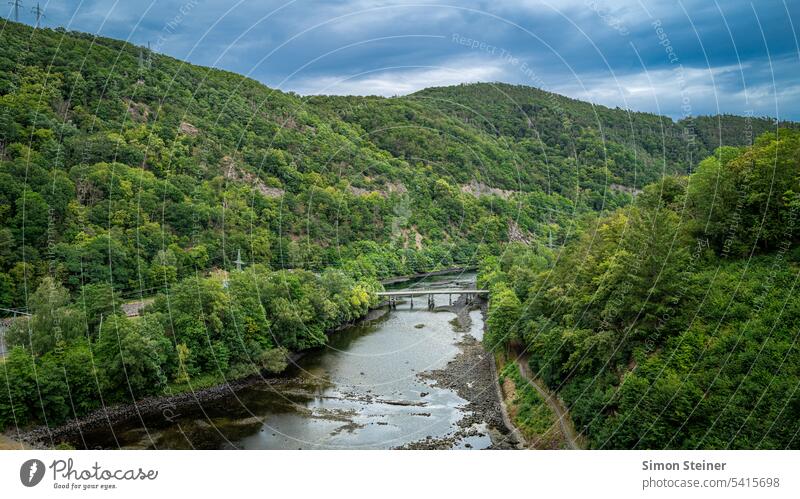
x=6, y=291
x=53, y=321
x=163, y=269
x=195, y=313
x=132, y=357
x=741, y=198
x=81, y=377
x=18, y=402
x=503, y=321
x=97, y=301
x=54, y=404
x=31, y=219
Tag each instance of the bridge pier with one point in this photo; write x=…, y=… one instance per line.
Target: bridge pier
x=470, y=295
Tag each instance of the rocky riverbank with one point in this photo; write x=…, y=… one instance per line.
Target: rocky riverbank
x=165, y=407
x=471, y=375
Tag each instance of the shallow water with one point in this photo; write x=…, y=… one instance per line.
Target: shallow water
x=361, y=391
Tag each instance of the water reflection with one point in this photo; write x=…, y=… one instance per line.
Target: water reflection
x=361, y=391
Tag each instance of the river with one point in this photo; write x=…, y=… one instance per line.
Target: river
x=373, y=387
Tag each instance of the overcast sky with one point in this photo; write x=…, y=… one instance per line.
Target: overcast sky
x=669, y=57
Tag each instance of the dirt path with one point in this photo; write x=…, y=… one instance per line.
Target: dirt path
x=574, y=441
x=522, y=443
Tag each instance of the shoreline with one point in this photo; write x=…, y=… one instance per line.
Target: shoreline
x=168, y=405
x=471, y=374
x=405, y=278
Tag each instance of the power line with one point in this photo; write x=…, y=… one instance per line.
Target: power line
x=16, y=4
x=38, y=12
x=145, y=61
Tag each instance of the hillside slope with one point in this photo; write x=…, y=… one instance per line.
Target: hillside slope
x=671, y=322
x=129, y=175
x=104, y=143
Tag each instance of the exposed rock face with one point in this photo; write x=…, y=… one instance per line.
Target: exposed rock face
x=417, y=240
x=358, y=191
x=270, y=192
x=232, y=172
x=517, y=235
x=138, y=112
x=397, y=187
x=479, y=189
x=188, y=129
x=406, y=233
x=633, y=191
x=390, y=188
x=134, y=308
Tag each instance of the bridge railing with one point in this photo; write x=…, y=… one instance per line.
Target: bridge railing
x=442, y=291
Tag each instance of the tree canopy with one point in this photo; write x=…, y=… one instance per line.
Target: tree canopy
x=672, y=322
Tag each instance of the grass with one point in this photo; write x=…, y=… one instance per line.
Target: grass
x=200, y=382
x=529, y=411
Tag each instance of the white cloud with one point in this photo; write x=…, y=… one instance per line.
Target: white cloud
x=400, y=81
x=693, y=91
x=366, y=16
x=631, y=10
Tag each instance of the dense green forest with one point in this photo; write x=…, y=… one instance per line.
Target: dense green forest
x=127, y=175
x=671, y=322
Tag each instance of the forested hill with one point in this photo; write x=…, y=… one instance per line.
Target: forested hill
x=109, y=141
x=671, y=322
x=118, y=163
x=105, y=145
x=520, y=112
x=128, y=175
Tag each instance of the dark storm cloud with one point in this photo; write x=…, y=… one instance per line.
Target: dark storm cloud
x=674, y=57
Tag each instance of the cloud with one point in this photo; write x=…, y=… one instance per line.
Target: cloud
x=389, y=82
x=365, y=17
x=573, y=47
x=681, y=90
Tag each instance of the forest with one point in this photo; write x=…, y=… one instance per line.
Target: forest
x=252, y=222
x=671, y=322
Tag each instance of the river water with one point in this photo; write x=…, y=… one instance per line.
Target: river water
x=362, y=391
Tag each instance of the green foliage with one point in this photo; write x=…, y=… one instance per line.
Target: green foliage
x=132, y=357
x=53, y=323
x=656, y=325
x=531, y=413
x=120, y=182
x=199, y=330
x=138, y=177
x=133, y=178
x=756, y=192
x=503, y=320
x=20, y=401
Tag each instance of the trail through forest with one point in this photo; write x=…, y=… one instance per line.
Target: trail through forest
x=562, y=413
